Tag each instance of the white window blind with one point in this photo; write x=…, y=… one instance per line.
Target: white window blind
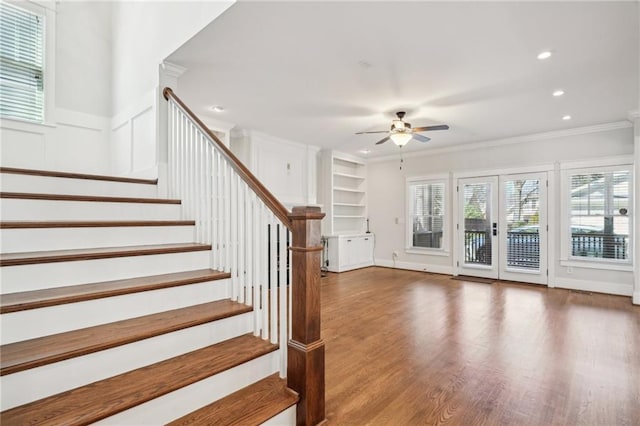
x=21, y=64
x=600, y=215
x=427, y=214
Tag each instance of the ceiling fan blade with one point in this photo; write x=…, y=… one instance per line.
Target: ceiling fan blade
x=382, y=140
x=426, y=128
x=421, y=138
x=377, y=131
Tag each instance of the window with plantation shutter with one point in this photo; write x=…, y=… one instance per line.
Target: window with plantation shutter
x=426, y=214
x=600, y=214
x=21, y=64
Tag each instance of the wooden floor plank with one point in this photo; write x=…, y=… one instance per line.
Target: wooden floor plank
x=94, y=198
x=32, y=353
x=252, y=405
x=409, y=348
x=35, y=257
x=107, y=397
x=92, y=224
x=14, y=302
x=85, y=176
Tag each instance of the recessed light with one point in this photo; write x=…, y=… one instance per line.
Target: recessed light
x=364, y=151
x=558, y=93
x=566, y=117
x=544, y=55
x=217, y=108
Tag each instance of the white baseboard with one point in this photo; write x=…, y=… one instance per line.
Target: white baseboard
x=636, y=298
x=412, y=266
x=595, y=286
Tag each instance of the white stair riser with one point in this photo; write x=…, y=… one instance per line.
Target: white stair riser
x=53, y=185
x=286, y=418
x=49, y=275
x=30, y=385
x=183, y=401
x=46, y=210
x=34, y=323
x=40, y=239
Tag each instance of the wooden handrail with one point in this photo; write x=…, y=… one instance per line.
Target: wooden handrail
x=261, y=191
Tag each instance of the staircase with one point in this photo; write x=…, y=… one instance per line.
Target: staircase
x=111, y=312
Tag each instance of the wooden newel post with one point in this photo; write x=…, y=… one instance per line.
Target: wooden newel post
x=305, y=369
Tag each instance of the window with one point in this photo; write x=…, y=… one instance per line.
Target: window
x=21, y=63
x=599, y=214
x=426, y=218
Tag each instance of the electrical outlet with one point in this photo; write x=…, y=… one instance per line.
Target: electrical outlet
x=569, y=270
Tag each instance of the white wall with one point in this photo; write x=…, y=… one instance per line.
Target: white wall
x=144, y=34
x=387, y=191
x=288, y=169
x=83, y=57
x=76, y=134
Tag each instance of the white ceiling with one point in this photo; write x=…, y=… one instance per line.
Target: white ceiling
x=317, y=72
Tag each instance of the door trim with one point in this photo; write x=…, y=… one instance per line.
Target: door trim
x=552, y=237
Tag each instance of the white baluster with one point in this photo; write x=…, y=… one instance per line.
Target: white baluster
x=264, y=271
x=284, y=306
x=273, y=273
x=169, y=148
x=233, y=240
x=227, y=217
x=241, y=241
x=249, y=238
x=257, y=283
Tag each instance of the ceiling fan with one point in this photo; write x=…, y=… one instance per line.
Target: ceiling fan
x=401, y=131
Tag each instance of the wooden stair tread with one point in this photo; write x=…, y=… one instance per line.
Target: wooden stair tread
x=35, y=257
x=40, y=351
x=97, y=198
x=252, y=405
x=101, y=399
x=15, y=224
x=14, y=302
x=71, y=175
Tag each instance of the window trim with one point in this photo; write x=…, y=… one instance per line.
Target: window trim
x=429, y=179
x=596, y=166
x=47, y=9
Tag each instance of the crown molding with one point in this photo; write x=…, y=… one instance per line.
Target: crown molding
x=173, y=70
x=510, y=141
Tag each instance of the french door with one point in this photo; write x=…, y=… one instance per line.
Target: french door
x=502, y=227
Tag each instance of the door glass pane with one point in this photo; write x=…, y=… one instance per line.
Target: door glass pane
x=477, y=223
x=523, y=223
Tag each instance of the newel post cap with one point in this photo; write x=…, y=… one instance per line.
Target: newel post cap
x=306, y=213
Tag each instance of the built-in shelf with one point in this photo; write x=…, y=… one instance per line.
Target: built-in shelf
x=344, y=193
x=347, y=175
x=337, y=158
x=335, y=188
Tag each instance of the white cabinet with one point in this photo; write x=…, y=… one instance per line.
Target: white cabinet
x=346, y=252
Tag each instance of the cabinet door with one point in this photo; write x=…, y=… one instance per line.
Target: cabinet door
x=346, y=252
x=367, y=250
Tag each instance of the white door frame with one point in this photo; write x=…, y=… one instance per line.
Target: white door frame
x=552, y=173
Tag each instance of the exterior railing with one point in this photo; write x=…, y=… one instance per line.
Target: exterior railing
x=273, y=255
x=523, y=248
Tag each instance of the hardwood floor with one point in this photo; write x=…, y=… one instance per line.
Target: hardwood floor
x=412, y=348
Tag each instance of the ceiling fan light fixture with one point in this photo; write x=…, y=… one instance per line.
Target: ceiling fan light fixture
x=397, y=125
x=401, y=138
